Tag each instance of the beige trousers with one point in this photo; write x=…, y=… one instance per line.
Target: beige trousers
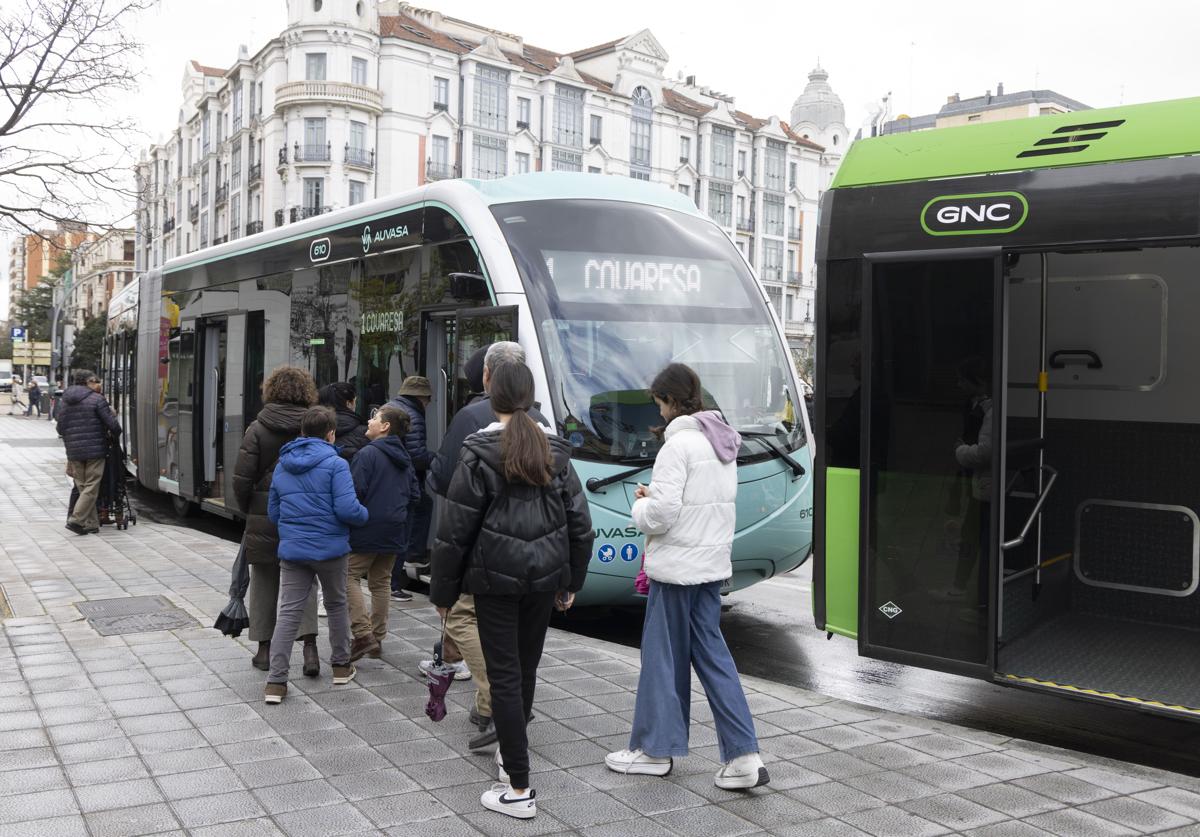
x=463, y=628
x=377, y=567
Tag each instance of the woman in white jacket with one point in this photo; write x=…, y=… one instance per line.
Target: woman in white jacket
x=687, y=513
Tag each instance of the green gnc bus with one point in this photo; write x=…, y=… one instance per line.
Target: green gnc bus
x=1008, y=468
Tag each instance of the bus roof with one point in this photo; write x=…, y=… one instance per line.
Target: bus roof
x=568, y=185
x=1132, y=132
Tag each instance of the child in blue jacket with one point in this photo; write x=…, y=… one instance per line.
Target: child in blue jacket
x=313, y=503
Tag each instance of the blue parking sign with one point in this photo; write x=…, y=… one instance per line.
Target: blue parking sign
x=18, y=332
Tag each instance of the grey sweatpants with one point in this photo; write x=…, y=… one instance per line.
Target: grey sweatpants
x=262, y=602
x=295, y=585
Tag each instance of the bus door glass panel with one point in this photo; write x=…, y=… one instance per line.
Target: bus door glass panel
x=929, y=525
x=211, y=381
x=322, y=340
x=183, y=378
x=477, y=328
x=386, y=301
x=437, y=357
x=253, y=365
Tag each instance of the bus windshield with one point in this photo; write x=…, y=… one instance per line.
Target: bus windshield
x=618, y=291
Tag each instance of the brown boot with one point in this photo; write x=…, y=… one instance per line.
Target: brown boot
x=262, y=659
x=362, y=646
x=312, y=662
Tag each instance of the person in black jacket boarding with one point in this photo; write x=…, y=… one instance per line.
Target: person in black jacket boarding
x=386, y=484
x=462, y=628
x=414, y=396
x=516, y=534
x=351, y=436
x=85, y=422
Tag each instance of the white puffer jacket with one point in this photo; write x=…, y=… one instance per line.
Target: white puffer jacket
x=688, y=515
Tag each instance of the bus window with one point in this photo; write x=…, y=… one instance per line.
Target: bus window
x=321, y=339
x=386, y=302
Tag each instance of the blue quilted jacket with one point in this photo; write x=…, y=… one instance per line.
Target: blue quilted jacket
x=85, y=422
x=312, y=501
x=414, y=439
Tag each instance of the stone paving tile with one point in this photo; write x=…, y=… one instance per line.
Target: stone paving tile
x=128, y=822
x=1071, y=823
x=108, y=770
x=195, y=783
x=1116, y=782
x=210, y=810
x=31, y=781
x=1065, y=788
x=1136, y=814
x=244, y=828
x=1001, y=765
x=834, y=798
x=894, y=822
x=770, y=810
x=1180, y=801
x=107, y=796
x=111, y=748
x=297, y=796
x=836, y=765
x=709, y=821
x=892, y=786
x=953, y=811
x=1011, y=800
x=583, y=810
x=1008, y=828
x=72, y=826
x=39, y=805
x=828, y=827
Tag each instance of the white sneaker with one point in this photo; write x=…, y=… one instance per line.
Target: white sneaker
x=636, y=761
x=501, y=773
x=742, y=773
x=502, y=799
x=461, y=672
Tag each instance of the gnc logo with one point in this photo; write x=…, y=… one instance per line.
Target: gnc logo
x=987, y=213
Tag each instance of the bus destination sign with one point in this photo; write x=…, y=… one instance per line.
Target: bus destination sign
x=643, y=279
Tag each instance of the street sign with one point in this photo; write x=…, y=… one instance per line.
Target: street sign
x=19, y=332
x=33, y=354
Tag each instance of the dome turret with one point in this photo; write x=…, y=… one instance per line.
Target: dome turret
x=818, y=105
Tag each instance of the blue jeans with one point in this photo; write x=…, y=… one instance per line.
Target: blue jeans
x=683, y=629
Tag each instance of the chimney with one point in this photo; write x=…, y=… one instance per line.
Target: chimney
x=952, y=98
x=1000, y=88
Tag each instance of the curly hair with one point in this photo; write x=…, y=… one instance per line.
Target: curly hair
x=290, y=385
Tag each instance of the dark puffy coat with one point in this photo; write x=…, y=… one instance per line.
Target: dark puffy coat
x=312, y=501
x=85, y=421
x=351, y=434
x=471, y=418
x=414, y=439
x=276, y=425
x=387, y=485
x=501, y=538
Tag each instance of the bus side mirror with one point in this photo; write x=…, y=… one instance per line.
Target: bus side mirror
x=468, y=286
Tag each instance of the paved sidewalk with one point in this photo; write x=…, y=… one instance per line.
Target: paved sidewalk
x=165, y=731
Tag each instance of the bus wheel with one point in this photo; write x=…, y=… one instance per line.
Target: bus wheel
x=182, y=506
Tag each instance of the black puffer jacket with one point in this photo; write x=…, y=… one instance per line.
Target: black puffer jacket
x=276, y=425
x=351, y=434
x=477, y=415
x=500, y=538
x=85, y=421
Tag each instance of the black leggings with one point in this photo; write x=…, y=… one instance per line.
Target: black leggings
x=512, y=631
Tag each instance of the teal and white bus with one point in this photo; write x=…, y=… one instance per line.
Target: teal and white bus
x=1008, y=479
x=603, y=281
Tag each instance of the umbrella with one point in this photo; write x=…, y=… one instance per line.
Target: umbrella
x=439, y=677
x=233, y=618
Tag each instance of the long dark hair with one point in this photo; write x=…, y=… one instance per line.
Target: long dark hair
x=679, y=386
x=524, y=449
x=336, y=396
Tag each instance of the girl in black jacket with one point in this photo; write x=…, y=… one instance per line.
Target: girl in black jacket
x=351, y=434
x=516, y=534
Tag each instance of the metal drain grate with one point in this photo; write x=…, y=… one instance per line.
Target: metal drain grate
x=134, y=615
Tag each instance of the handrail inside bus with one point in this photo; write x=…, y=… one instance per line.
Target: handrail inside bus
x=1037, y=510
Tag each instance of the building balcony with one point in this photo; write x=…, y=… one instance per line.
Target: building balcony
x=279, y=217
x=440, y=171
x=328, y=92
x=254, y=227
x=220, y=239
x=222, y=194
x=299, y=213
x=360, y=158
x=745, y=225
x=795, y=234
x=312, y=153
x=194, y=169
x=254, y=174
x=444, y=106
x=237, y=124
x=194, y=212
x=168, y=225
x=795, y=277
x=771, y=273
x=522, y=125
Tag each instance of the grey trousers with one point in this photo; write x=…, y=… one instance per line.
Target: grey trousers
x=88, y=474
x=295, y=587
x=263, y=603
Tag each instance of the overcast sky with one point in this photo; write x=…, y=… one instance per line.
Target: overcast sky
x=1103, y=53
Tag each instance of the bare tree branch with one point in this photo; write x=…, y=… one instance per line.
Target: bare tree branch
x=64, y=151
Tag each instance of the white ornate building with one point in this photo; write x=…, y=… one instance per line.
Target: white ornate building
x=99, y=269
x=357, y=99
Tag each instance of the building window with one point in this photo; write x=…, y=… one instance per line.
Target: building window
x=491, y=98
x=206, y=131
x=566, y=161
x=358, y=192
x=314, y=139
x=596, y=129
x=641, y=121
x=722, y=153
x=441, y=153
x=522, y=163
x=685, y=149
x=523, y=109
x=741, y=208
x=773, y=260
x=237, y=107
x=684, y=189
x=253, y=99
x=358, y=71
x=235, y=216
x=568, y=116
x=314, y=66
x=593, y=169
x=791, y=175
x=775, y=295
x=204, y=187
x=441, y=93
x=741, y=167
x=491, y=155
x=258, y=107
x=314, y=193
x=639, y=175
x=235, y=165
x=358, y=136
x=720, y=203
x=773, y=165
x=791, y=227
x=773, y=214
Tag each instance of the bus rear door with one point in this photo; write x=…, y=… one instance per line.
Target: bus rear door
x=932, y=398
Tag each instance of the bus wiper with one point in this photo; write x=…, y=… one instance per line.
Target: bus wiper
x=595, y=484
x=766, y=440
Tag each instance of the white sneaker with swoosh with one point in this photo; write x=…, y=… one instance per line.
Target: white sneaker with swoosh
x=503, y=800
